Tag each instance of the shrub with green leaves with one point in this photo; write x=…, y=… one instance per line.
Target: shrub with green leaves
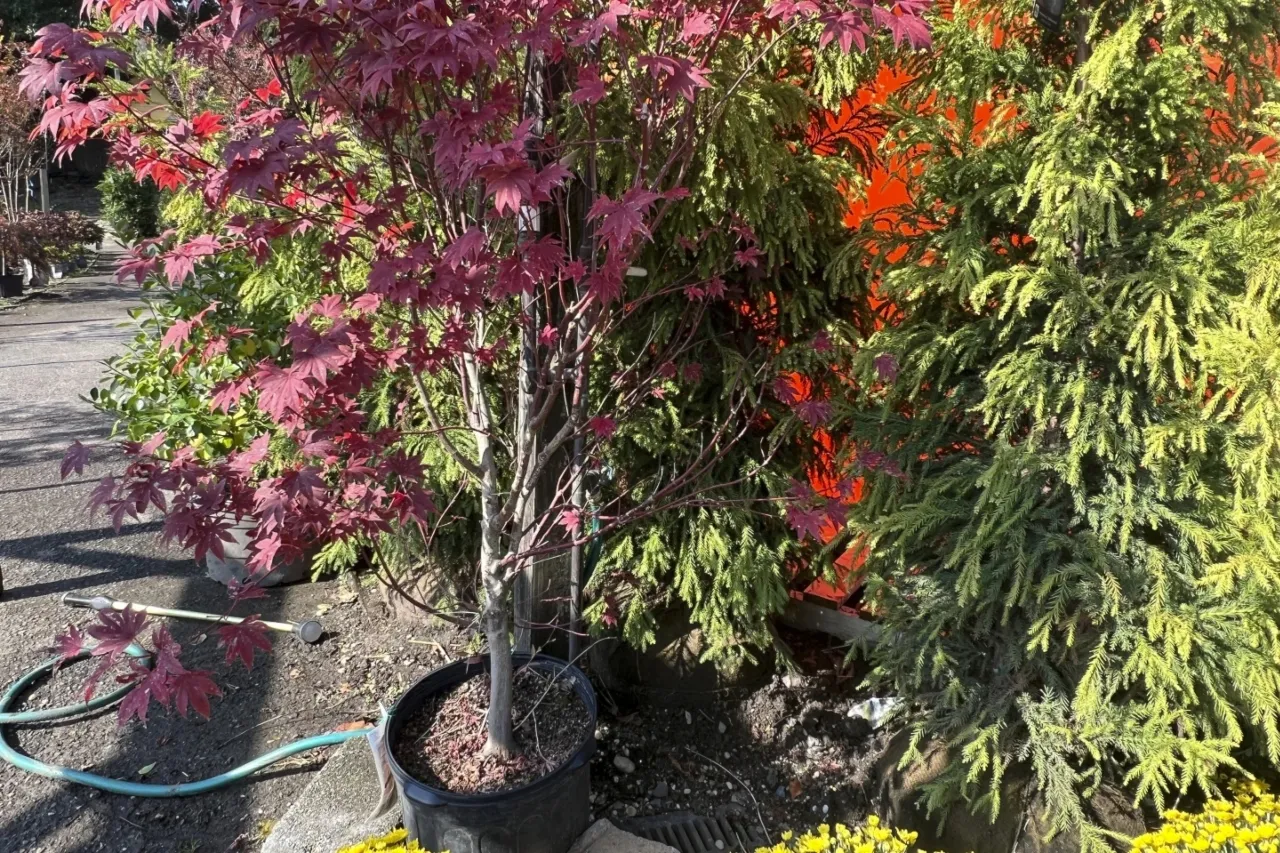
x=1079, y=563
x=130, y=207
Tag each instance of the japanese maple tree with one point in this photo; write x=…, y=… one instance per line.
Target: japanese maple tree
x=450, y=152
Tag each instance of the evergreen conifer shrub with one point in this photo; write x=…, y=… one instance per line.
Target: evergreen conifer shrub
x=1073, y=540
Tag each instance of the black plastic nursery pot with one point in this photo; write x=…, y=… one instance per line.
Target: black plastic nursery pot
x=544, y=816
x=11, y=285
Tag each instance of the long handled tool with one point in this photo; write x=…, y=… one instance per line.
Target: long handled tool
x=309, y=631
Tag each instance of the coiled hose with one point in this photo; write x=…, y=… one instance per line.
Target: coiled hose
x=117, y=786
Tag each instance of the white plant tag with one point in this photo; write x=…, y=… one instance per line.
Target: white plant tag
x=382, y=766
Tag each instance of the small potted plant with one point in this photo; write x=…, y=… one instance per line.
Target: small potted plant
x=19, y=245
x=64, y=237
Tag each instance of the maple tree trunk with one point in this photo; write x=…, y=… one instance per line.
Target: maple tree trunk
x=501, y=740
x=497, y=610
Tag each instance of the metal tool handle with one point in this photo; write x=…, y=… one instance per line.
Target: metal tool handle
x=309, y=631
x=96, y=602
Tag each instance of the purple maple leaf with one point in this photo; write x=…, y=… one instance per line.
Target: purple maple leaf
x=74, y=459
x=70, y=643
x=813, y=412
x=886, y=365
x=192, y=690
x=116, y=631
x=806, y=521
x=241, y=640
x=785, y=389
x=621, y=220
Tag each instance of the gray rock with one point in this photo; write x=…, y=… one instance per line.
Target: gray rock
x=333, y=810
x=626, y=765
x=780, y=793
x=604, y=837
x=722, y=728
x=660, y=791
x=772, y=778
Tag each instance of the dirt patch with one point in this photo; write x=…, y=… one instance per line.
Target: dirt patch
x=788, y=755
x=442, y=744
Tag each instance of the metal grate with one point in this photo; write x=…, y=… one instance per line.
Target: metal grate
x=690, y=833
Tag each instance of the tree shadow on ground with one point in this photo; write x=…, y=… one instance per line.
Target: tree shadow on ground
x=33, y=434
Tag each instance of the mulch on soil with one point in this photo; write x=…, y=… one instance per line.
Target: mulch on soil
x=443, y=744
x=787, y=754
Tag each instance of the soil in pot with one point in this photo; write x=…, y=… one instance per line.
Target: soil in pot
x=442, y=743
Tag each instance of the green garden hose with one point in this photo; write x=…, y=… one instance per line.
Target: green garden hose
x=117, y=786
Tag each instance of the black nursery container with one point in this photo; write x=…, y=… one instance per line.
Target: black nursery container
x=11, y=285
x=544, y=816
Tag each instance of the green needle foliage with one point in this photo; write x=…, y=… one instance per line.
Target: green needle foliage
x=1080, y=568
x=729, y=565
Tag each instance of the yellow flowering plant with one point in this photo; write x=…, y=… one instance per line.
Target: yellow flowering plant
x=869, y=837
x=394, y=842
x=1250, y=822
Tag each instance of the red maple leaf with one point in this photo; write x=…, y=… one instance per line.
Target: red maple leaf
x=241, y=640
x=180, y=261
x=148, y=685
x=192, y=690
x=227, y=394
x=126, y=15
x=606, y=23
x=621, y=220
x=904, y=27
x=281, y=391
x=591, y=89
x=510, y=184
x=603, y=426
x=240, y=591
x=116, y=631
x=137, y=267
x=207, y=124
x=806, y=521
x=847, y=28
x=70, y=643
x=176, y=334
x=74, y=459
x=676, y=76
x=571, y=520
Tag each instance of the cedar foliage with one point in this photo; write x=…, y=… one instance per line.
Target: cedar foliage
x=1080, y=568
x=729, y=565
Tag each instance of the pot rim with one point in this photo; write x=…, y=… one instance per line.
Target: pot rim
x=472, y=667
